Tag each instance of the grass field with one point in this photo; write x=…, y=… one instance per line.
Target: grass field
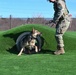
x=44, y=63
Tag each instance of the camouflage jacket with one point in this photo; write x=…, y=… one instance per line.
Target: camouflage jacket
x=60, y=10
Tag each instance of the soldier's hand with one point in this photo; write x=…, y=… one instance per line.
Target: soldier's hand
x=51, y=23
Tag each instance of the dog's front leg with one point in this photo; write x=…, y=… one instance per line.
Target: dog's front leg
x=20, y=51
x=36, y=48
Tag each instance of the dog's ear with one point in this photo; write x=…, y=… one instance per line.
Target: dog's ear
x=33, y=30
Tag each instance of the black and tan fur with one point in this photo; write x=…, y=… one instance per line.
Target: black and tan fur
x=30, y=42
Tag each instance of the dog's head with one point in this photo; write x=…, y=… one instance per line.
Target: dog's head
x=35, y=33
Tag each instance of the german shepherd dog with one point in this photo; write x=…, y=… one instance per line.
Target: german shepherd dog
x=30, y=42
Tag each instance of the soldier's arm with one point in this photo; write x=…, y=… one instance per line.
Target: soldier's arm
x=59, y=12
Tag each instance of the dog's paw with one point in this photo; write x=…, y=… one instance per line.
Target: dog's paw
x=19, y=55
x=39, y=49
x=36, y=50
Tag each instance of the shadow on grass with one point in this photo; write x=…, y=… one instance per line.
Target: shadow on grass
x=13, y=36
x=46, y=52
x=14, y=50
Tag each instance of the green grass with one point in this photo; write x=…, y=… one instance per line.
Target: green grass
x=44, y=63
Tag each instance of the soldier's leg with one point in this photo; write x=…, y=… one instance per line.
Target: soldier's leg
x=59, y=39
x=60, y=44
x=60, y=30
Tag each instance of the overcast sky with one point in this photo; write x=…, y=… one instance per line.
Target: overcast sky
x=31, y=8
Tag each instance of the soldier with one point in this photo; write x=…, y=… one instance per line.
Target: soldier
x=62, y=21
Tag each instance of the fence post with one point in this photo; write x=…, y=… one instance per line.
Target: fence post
x=10, y=21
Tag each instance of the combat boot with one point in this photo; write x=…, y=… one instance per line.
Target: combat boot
x=59, y=51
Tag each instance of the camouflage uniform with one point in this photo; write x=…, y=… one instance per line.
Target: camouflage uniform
x=62, y=21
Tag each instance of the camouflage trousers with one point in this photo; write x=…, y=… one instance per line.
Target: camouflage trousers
x=61, y=28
